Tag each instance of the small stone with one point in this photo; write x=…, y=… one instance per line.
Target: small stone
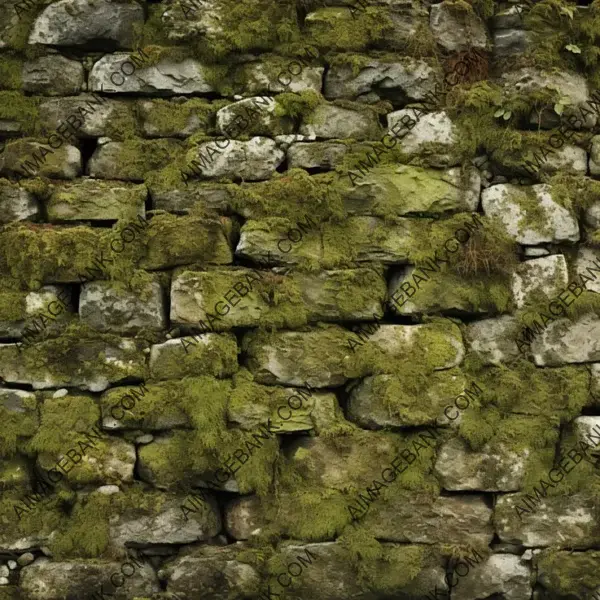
x=144, y=439
x=12, y=565
x=25, y=559
x=60, y=393
x=107, y=490
x=4, y=571
x=3, y=580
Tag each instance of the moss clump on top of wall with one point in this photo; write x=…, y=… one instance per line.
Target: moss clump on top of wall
x=338, y=29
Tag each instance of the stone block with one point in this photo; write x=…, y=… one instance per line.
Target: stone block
x=53, y=75
x=547, y=275
x=108, y=307
x=93, y=200
x=328, y=121
x=16, y=203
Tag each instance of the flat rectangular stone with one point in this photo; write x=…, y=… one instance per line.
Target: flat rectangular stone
x=241, y=297
x=96, y=200
x=564, y=520
x=16, y=203
x=443, y=520
x=114, y=308
x=323, y=356
x=90, y=364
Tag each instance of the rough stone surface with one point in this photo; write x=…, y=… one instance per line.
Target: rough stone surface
x=455, y=29
x=53, y=75
x=80, y=22
x=513, y=207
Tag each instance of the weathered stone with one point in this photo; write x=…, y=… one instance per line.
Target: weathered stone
x=93, y=364
x=34, y=158
x=55, y=580
x=595, y=384
x=493, y=340
x=322, y=357
x=448, y=293
x=406, y=189
x=165, y=78
x=457, y=29
x=109, y=308
x=592, y=215
x=88, y=22
x=111, y=462
x=567, y=84
x=382, y=401
x=386, y=578
x=14, y=472
x=568, y=574
x=510, y=42
x=253, y=160
x=241, y=297
x=99, y=116
x=271, y=75
x=112, y=160
x=155, y=465
x=564, y=342
x=565, y=520
x=400, y=81
x=530, y=215
x=186, y=240
x=16, y=203
x=547, y=275
x=441, y=520
x=212, y=572
x=503, y=575
x=586, y=429
x=91, y=200
x=206, y=354
x=316, y=155
x=569, y=159
x=254, y=116
x=493, y=469
x=288, y=409
x=433, y=135
x=53, y=75
x=331, y=121
x=178, y=118
x=409, y=19
x=30, y=313
x=213, y=197
x=243, y=517
x=165, y=525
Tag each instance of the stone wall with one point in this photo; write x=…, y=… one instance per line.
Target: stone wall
x=299, y=299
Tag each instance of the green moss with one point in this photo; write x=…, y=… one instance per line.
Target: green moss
x=12, y=306
x=168, y=118
x=34, y=254
x=304, y=196
x=297, y=105
x=10, y=74
x=17, y=424
x=568, y=573
x=184, y=456
x=72, y=414
x=218, y=358
x=335, y=28
x=14, y=106
x=137, y=159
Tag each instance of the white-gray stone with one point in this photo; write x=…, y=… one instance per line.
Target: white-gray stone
x=492, y=469
x=53, y=75
x=108, y=308
x=405, y=79
x=16, y=203
x=564, y=342
x=316, y=155
x=166, y=78
x=517, y=210
x=587, y=264
x=456, y=29
x=253, y=160
x=328, y=121
x=493, y=340
x=548, y=275
x=79, y=22
x=431, y=128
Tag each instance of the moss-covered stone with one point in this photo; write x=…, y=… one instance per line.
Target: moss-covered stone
x=18, y=411
x=206, y=354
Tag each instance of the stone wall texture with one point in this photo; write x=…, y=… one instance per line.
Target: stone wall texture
x=299, y=299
